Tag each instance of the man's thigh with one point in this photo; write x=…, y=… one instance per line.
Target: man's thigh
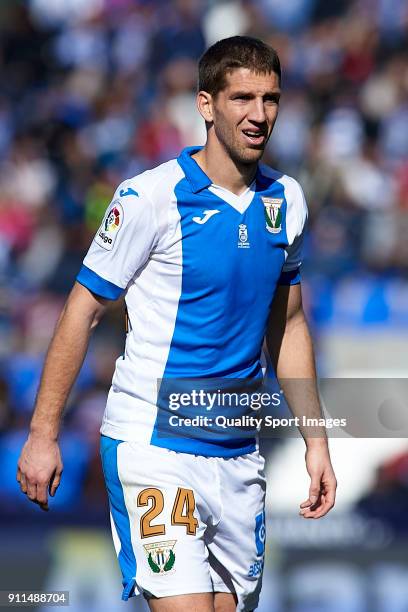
x=199, y=602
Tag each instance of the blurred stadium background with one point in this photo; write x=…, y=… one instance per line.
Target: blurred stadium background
x=93, y=91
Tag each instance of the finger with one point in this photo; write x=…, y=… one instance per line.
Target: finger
x=327, y=506
x=317, y=514
x=31, y=490
x=327, y=502
x=330, y=494
x=322, y=510
x=23, y=484
x=43, y=506
x=309, y=504
x=42, y=496
x=37, y=494
x=310, y=509
x=54, y=483
x=309, y=513
x=314, y=489
x=18, y=475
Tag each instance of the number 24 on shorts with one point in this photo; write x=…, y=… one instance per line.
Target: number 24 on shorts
x=182, y=513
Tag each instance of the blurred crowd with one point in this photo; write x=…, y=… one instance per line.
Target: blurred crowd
x=95, y=91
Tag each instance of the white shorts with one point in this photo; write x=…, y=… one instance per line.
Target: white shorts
x=185, y=523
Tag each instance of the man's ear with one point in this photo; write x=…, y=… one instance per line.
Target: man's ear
x=205, y=105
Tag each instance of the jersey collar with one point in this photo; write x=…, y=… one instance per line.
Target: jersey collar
x=195, y=175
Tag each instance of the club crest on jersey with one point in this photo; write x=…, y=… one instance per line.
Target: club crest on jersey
x=161, y=557
x=110, y=226
x=273, y=214
x=243, y=236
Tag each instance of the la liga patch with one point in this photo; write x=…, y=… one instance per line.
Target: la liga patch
x=111, y=224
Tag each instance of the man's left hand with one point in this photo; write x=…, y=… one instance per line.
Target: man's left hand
x=322, y=491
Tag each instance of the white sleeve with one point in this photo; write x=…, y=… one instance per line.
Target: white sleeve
x=296, y=219
x=122, y=244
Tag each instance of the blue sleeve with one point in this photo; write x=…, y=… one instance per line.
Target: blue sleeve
x=95, y=283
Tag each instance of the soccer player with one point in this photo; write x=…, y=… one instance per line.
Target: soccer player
x=207, y=249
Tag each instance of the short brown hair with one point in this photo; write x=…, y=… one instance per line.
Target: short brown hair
x=235, y=52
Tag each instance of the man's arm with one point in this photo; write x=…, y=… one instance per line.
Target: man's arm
x=291, y=351
x=40, y=466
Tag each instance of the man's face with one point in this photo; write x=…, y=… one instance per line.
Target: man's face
x=244, y=113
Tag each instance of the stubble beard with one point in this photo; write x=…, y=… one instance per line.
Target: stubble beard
x=239, y=154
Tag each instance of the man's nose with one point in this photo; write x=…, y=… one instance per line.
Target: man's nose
x=257, y=111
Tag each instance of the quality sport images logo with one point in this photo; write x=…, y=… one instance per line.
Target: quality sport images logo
x=110, y=226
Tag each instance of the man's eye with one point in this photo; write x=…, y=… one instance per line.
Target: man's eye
x=272, y=99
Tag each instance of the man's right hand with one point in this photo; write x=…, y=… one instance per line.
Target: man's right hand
x=39, y=469
x=40, y=466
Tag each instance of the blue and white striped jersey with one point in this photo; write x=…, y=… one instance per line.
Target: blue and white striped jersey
x=200, y=266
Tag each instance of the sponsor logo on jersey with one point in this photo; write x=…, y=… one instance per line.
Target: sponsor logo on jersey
x=110, y=226
x=207, y=215
x=260, y=533
x=273, y=214
x=161, y=556
x=255, y=569
x=243, y=236
x=128, y=191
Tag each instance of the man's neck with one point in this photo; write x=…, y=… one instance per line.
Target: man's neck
x=222, y=170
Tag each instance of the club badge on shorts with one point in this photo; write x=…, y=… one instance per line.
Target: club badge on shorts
x=273, y=214
x=160, y=556
x=110, y=226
